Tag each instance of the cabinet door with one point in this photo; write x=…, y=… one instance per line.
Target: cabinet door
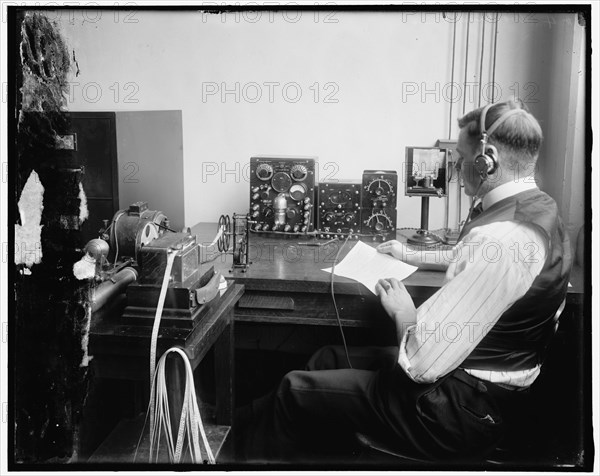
x=96, y=150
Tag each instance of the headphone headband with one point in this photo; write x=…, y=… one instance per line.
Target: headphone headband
x=487, y=133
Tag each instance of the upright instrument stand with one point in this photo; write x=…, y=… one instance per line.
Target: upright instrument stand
x=423, y=237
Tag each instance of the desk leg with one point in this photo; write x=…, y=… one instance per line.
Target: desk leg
x=224, y=369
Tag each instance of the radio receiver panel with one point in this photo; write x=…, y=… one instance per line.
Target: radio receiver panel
x=338, y=208
x=378, y=204
x=282, y=194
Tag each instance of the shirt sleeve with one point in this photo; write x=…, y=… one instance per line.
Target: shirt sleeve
x=492, y=267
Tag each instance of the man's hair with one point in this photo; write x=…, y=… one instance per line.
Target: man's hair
x=518, y=138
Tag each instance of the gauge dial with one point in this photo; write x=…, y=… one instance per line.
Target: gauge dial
x=378, y=221
x=340, y=198
x=379, y=187
x=281, y=182
x=264, y=171
x=299, y=172
x=298, y=191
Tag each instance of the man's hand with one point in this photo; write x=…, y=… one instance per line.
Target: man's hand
x=395, y=299
x=395, y=248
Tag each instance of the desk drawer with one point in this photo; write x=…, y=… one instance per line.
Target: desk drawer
x=309, y=309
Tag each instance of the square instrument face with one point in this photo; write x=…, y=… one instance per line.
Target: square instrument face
x=425, y=172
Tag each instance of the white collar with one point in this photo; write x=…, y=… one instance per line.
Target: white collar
x=507, y=189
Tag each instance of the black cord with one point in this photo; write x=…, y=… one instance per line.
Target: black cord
x=337, y=314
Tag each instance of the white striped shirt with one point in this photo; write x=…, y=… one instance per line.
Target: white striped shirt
x=493, y=266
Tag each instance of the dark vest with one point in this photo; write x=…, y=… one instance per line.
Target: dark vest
x=520, y=337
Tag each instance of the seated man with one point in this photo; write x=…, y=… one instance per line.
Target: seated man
x=467, y=355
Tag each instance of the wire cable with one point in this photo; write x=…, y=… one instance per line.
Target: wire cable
x=452, y=82
x=481, y=59
x=494, y=60
x=466, y=63
x=115, y=235
x=337, y=313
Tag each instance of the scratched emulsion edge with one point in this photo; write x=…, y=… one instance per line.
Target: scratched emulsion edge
x=52, y=306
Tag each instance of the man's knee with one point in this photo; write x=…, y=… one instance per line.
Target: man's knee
x=323, y=359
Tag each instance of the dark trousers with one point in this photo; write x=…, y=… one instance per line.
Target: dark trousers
x=315, y=413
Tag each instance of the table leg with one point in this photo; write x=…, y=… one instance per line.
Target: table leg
x=224, y=369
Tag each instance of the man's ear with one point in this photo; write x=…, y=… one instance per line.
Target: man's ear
x=493, y=153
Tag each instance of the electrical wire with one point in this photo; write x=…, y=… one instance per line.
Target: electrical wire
x=452, y=82
x=114, y=225
x=481, y=59
x=494, y=60
x=466, y=63
x=337, y=313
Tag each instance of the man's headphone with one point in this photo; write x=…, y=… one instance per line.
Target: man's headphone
x=486, y=163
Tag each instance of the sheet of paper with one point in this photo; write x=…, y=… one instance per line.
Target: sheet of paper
x=367, y=266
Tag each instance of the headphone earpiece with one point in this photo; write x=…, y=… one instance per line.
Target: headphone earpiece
x=486, y=162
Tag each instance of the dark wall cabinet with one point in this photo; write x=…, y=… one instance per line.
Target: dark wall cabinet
x=95, y=136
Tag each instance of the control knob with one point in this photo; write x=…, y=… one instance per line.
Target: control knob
x=264, y=171
x=299, y=172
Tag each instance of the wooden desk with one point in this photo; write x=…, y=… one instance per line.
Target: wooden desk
x=121, y=350
x=281, y=268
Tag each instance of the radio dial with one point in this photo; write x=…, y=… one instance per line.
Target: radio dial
x=298, y=191
x=299, y=172
x=264, y=171
x=281, y=182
